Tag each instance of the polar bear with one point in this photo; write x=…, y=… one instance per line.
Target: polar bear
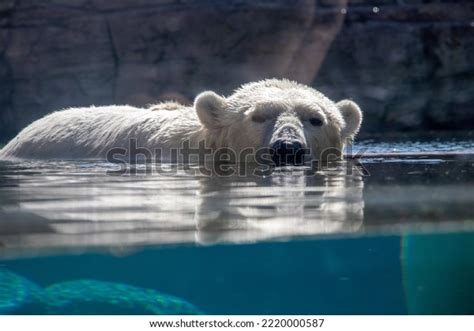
x=292, y=121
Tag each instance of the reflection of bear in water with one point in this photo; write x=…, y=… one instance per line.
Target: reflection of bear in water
x=111, y=211
x=285, y=204
x=281, y=115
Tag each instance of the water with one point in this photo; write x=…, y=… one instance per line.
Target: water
x=422, y=144
x=393, y=234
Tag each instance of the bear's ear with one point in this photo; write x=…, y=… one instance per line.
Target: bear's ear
x=352, y=117
x=210, y=109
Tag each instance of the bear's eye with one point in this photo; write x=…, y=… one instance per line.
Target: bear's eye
x=315, y=121
x=258, y=118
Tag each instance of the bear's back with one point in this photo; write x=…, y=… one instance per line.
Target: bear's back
x=88, y=132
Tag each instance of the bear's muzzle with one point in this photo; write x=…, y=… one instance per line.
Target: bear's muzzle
x=288, y=152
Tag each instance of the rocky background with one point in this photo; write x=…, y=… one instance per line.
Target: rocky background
x=408, y=63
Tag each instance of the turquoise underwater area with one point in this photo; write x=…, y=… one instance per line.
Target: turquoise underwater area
x=18, y=295
x=393, y=274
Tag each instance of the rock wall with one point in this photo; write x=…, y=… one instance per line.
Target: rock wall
x=408, y=63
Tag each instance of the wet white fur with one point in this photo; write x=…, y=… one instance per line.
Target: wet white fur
x=221, y=122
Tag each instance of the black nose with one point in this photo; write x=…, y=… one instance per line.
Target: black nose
x=288, y=152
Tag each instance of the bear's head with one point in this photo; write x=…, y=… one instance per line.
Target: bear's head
x=293, y=121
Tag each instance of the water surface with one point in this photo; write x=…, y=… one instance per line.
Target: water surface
x=391, y=233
